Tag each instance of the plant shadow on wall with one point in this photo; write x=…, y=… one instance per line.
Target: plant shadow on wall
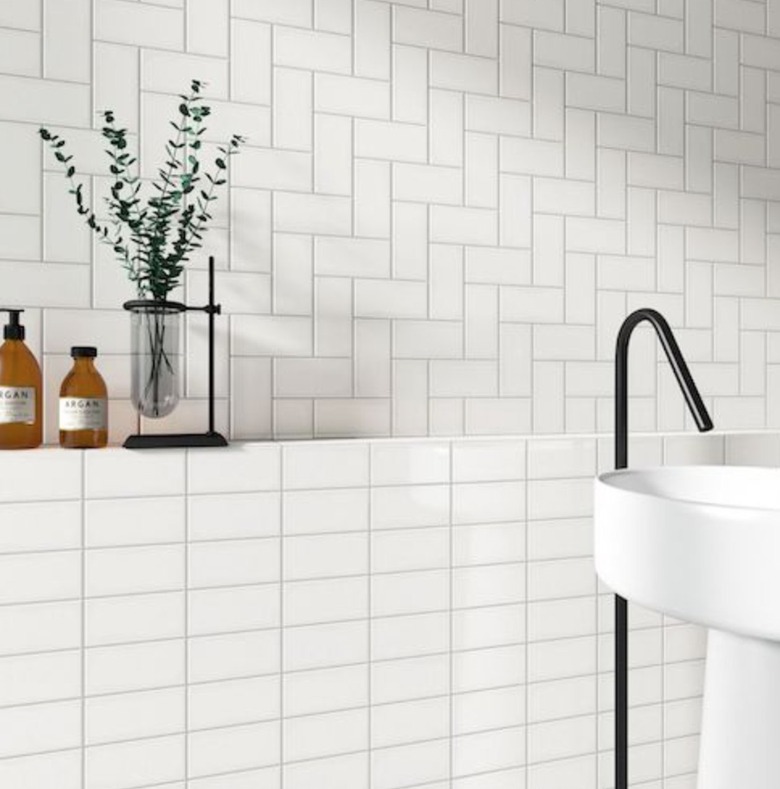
x=154, y=238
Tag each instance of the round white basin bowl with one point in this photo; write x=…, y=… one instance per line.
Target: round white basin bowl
x=702, y=543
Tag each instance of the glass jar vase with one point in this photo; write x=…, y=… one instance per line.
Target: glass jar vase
x=156, y=356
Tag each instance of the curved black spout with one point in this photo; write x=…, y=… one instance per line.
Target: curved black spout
x=704, y=423
x=679, y=368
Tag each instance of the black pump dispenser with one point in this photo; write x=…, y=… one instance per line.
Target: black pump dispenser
x=13, y=330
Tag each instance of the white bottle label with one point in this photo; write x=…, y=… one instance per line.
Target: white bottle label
x=17, y=405
x=83, y=413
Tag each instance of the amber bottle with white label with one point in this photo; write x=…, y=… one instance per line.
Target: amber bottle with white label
x=21, y=406
x=83, y=403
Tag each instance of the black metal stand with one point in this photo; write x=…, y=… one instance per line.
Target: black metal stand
x=211, y=438
x=703, y=423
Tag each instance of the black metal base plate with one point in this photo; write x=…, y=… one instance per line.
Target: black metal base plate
x=166, y=441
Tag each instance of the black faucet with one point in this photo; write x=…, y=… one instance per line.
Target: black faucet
x=703, y=423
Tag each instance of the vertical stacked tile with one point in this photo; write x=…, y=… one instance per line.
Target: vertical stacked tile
x=411, y=631
x=134, y=618
x=234, y=616
x=41, y=610
x=325, y=610
x=563, y=627
x=489, y=627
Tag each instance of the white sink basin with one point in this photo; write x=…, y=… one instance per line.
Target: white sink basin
x=702, y=543
x=699, y=542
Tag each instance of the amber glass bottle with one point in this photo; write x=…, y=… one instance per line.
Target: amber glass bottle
x=83, y=403
x=21, y=404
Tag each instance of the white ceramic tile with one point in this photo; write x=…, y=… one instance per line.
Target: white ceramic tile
x=61, y=469
x=410, y=635
x=326, y=734
x=484, y=628
x=40, y=727
x=117, y=472
x=327, y=689
x=560, y=498
x=296, y=12
x=399, y=680
x=415, y=549
x=487, y=751
x=251, y=515
x=233, y=656
x=425, y=761
x=39, y=678
x=344, y=771
x=119, y=620
x=135, y=667
x=233, y=703
x=118, y=571
x=477, y=461
x=40, y=627
x=481, y=586
x=323, y=556
x=569, y=458
x=331, y=600
x=413, y=505
x=63, y=766
x=323, y=646
x=241, y=467
x=131, y=23
x=39, y=527
x=155, y=760
x=409, y=592
x=408, y=463
x=325, y=466
x=310, y=50
x=232, y=609
x=233, y=562
x=410, y=721
x=128, y=716
x=488, y=502
x=44, y=576
x=115, y=522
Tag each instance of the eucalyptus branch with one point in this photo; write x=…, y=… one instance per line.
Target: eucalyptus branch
x=152, y=240
x=57, y=144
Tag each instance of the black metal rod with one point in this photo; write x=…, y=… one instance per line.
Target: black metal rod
x=703, y=423
x=212, y=311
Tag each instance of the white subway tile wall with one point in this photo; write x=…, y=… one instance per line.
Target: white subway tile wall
x=444, y=209
x=356, y=615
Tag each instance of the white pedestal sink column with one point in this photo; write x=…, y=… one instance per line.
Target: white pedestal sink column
x=740, y=742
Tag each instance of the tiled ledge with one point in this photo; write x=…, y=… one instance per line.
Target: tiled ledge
x=51, y=473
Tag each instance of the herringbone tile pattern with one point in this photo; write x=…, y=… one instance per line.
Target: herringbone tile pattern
x=445, y=209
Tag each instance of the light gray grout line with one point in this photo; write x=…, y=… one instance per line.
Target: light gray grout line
x=281, y=482
x=664, y=461
x=83, y=614
x=369, y=628
x=450, y=622
x=311, y=760
x=663, y=699
x=41, y=215
x=526, y=655
x=186, y=650
x=696, y=663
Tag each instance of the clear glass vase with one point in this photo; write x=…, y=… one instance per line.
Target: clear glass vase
x=156, y=356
